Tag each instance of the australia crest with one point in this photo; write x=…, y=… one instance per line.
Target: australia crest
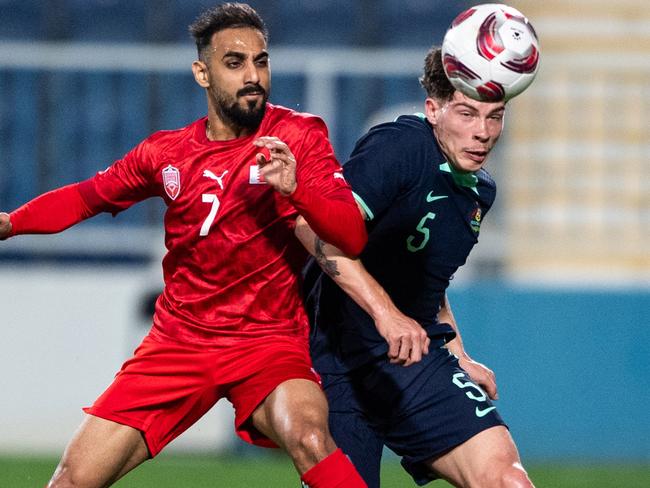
x=475, y=221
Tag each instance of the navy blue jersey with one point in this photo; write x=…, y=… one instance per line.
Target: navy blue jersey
x=423, y=220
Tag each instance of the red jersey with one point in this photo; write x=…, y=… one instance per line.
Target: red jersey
x=232, y=268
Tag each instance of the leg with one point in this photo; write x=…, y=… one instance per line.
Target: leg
x=100, y=453
x=360, y=443
x=294, y=416
x=351, y=430
x=161, y=391
x=280, y=403
x=489, y=459
x=441, y=423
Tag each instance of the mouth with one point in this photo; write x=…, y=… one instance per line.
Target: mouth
x=478, y=156
x=250, y=94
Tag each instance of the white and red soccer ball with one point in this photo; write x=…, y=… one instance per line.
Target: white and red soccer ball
x=491, y=52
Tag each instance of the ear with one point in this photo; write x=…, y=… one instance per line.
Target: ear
x=201, y=74
x=432, y=109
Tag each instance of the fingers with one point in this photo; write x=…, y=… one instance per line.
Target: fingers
x=490, y=387
x=275, y=146
x=261, y=160
x=279, y=168
x=408, y=353
x=5, y=225
x=482, y=376
x=279, y=153
x=487, y=380
x=409, y=348
x=393, y=349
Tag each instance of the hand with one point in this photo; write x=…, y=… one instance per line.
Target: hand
x=280, y=170
x=481, y=375
x=407, y=340
x=5, y=226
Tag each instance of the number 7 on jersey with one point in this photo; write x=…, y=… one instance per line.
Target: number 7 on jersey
x=207, y=223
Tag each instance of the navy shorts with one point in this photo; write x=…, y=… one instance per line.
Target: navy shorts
x=419, y=412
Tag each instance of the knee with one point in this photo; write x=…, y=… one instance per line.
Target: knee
x=309, y=440
x=66, y=476
x=509, y=476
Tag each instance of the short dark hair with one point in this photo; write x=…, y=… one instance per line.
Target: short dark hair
x=434, y=80
x=224, y=16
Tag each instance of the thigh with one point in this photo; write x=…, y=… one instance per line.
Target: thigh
x=267, y=365
x=484, y=460
x=350, y=429
x=426, y=410
x=100, y=453
x=161, y=391
x=294, y=406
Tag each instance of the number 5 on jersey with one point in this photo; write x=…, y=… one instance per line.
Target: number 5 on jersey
x=207, y=223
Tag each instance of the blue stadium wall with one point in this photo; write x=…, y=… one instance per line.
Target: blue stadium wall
x=572, y=366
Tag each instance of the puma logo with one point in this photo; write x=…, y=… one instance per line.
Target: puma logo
x=219, y=179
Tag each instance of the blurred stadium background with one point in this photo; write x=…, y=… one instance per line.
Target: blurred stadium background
x=556, y=299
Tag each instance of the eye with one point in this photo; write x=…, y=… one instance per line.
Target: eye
x=233, y=64
x=262, y=63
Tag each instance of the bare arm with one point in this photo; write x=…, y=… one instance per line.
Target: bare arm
x=480, y=373
x=407, y=340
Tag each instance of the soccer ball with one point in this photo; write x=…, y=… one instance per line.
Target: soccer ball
x=491, y=52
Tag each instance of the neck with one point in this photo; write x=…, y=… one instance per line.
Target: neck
x=218, y=130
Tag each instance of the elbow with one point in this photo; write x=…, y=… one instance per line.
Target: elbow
x=355, y=242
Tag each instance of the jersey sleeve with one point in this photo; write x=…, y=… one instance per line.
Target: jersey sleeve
x=124, y=183
x=51, y=212
x=322, y=196
x=380, y=168
x=117, y=188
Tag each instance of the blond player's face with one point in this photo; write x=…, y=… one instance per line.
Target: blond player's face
x=238, y=73
x=466, y=129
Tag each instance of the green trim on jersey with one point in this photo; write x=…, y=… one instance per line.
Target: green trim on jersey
x=468, y=180
x=366, y=208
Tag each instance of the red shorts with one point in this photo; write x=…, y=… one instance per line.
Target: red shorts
x=167, y=386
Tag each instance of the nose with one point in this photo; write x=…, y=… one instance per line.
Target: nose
x=252, y=74
x=481, y=132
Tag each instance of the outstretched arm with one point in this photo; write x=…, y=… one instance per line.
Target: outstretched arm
x=480, y=373
x=407, y=340
x=49, y=213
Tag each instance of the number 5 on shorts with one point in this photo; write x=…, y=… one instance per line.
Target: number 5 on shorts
x=457, y=380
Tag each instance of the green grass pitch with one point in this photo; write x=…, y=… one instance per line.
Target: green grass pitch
x=271, y=471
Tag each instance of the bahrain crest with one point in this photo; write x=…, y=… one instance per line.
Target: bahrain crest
x=171, y=181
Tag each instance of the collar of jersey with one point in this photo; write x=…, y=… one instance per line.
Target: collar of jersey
x=468, y=180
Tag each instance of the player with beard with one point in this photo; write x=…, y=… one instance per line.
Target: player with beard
x=230, y=321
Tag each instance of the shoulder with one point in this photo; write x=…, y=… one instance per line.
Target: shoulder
x=486, y=186
x=409, y=136
x=162, y=140
x=280, y=117
x=411, y=127
x=408, y=140
x=485, y=179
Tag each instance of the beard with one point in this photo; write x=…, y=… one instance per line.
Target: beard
x=248, y=117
